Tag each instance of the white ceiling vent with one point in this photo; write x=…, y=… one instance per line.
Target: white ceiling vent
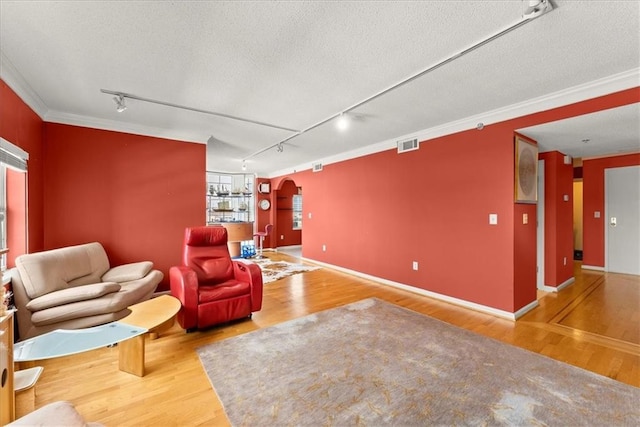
x=317, y=167
x=408, y=145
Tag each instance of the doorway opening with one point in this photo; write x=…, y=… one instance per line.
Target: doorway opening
x=289, y=221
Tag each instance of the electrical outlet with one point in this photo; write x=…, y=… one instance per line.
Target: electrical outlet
x=324, y=248
x=565, y=261
x=309, y=215
x=282, y=237
x=415, y=265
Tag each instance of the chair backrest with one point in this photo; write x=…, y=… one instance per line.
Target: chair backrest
x=268, y=228
x=205, y=251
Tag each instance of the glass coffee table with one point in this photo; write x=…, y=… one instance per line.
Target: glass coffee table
x=151, y=316
x=66, y=342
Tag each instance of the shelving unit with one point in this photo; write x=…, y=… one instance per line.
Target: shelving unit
x=229, y=198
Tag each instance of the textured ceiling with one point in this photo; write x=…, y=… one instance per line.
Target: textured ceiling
x=295, y=64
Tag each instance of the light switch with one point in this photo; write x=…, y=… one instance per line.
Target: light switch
x=309, y=215
x=493, y=219
x=525, y=218
x=565, y=197
x=596, y=214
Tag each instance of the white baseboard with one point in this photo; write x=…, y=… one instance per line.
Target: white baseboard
x=558, y=288
x=290, y=247
x=592, y=267
x=456, y=301
x=524, y=310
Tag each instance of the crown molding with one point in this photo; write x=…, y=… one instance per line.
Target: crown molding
x=614, y=83
x=12, y=77
x=117, y=126
x=593, y=89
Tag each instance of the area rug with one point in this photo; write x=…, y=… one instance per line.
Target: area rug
x=372, y=363
x=276, y=270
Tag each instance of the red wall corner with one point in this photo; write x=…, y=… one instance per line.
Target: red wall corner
x=558, y=233
x=21, y=126
x=134, y=194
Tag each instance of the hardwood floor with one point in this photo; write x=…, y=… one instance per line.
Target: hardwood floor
x=592, y=324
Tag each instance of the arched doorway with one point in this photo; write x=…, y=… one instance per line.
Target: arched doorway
x=288, y=216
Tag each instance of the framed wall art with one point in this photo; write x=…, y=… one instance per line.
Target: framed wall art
x=526, y=171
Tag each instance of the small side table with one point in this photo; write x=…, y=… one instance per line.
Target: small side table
x=24, y=382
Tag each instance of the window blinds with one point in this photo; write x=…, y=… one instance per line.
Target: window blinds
x=13, y=156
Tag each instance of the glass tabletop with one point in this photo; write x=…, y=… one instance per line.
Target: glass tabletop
x=65, y=342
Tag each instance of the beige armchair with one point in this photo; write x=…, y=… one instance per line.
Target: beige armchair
x=75, y=287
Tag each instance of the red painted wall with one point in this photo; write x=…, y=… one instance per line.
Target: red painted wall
x=524, y=249
x=558, y=233
x=21, y=126
x=134, y=194
x=593, y=200
x=375, y=214
x=285, y=234
x=378, y=213
x=524, y=255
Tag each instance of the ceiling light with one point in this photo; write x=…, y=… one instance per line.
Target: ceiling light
x=537, y=8
x=244, y=165
x=120, y=96
x=280, y=148
x=343, y=122
x=120, y=103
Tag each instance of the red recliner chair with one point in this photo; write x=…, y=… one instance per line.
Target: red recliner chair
x=210, y=285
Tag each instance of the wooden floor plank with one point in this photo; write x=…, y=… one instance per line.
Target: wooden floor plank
x=176, y=391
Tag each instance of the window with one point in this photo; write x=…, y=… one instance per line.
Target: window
x=12, y=160
x=3, y=216
x=297, y=211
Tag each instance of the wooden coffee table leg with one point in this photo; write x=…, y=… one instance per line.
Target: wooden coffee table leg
x=132, y=355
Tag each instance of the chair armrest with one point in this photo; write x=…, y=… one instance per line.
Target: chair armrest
x=183, y=283
x=251, y=273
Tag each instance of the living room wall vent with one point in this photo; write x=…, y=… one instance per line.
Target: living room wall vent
x=317, y=167
x=408, y=145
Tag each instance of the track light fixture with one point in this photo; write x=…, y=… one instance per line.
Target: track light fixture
x=120, y=96
x=244, y=165
x=120, y=106
x=537, y=8
x=280, y=148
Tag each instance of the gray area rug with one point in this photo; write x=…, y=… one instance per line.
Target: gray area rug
x=372, y=363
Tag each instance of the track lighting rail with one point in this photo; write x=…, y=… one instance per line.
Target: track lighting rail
x=198, y=110
x=536, y=10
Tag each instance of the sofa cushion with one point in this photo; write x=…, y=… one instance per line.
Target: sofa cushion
x=67, y=296
x=58, y=269
x=128, y=272
x=130, y=293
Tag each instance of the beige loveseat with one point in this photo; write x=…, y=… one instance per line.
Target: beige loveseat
x=75, y=287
